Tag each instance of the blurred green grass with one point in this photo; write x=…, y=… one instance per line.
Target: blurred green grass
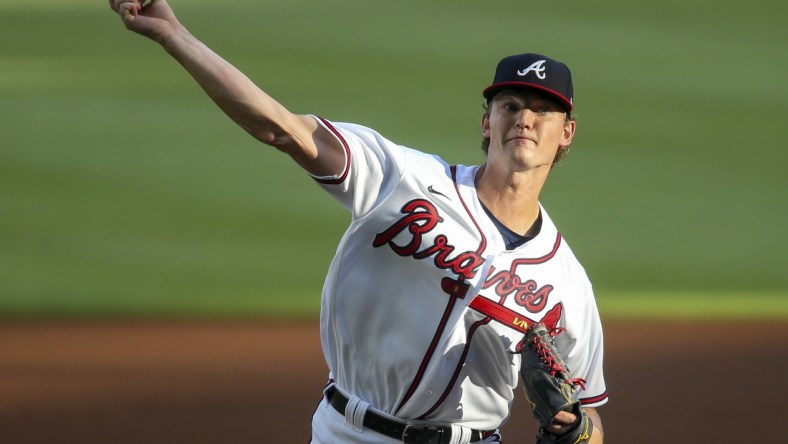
x=124, y=192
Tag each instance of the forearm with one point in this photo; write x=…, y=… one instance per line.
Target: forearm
x=597, y=436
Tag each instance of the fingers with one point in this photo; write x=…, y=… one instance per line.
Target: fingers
x=126, y=8
x=565, y=418
x=115, y=4
x=563, y=422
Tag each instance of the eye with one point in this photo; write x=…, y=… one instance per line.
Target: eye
x=542, y=108
x=510, y=106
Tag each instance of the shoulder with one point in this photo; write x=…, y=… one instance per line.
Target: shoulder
x=366, y=142
x=353, y=132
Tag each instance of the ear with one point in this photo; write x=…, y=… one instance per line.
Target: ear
x=568, y=134
x=486, y=124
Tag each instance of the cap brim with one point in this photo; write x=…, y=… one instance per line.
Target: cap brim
x=495, y=88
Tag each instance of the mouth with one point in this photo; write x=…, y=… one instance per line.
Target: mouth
x=522, y=139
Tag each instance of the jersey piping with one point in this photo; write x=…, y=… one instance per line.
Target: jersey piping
x=335, y=180
x=442, y=325
x=594, y=399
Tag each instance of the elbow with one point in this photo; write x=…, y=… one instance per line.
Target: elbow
x=267, y=132
x=286, y=134
x=277, y=138
x=275, y=131
x=267, y=137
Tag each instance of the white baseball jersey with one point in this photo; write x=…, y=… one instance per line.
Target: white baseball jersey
x=396, y=329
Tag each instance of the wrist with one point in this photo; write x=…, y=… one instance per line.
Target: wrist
x=171, y=37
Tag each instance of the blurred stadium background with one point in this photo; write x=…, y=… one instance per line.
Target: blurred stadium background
x=125, y=193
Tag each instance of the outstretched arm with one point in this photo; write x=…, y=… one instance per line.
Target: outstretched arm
x=301, y=137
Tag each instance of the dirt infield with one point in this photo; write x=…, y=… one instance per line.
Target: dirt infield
x=258, y=383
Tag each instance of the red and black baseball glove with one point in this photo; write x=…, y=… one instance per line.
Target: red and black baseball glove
x=549, y=386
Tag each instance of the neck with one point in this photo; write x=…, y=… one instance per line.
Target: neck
x=513, y=198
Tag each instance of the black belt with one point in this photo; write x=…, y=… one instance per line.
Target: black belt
x=407, y=433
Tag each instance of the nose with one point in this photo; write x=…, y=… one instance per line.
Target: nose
x=525, y=119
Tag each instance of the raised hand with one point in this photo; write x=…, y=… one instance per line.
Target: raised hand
x=152, y=18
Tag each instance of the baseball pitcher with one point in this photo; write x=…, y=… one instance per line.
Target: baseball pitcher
x=452, y=284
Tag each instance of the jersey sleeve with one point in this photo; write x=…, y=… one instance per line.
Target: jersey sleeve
x=373, y=167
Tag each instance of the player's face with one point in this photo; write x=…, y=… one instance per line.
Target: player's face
x=525, y=128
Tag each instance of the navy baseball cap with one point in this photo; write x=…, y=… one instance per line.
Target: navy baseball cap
x=533, y=71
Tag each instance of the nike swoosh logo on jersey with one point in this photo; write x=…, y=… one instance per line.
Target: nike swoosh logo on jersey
x=434, y=191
